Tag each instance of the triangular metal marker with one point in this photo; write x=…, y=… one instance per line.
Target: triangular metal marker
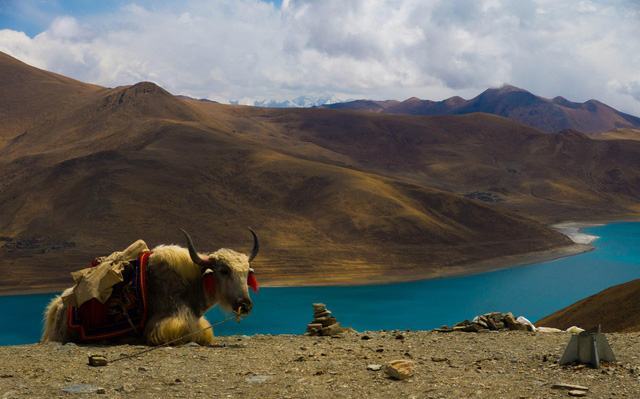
x=588, y=347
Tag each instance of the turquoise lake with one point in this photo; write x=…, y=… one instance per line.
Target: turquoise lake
x=532, y=291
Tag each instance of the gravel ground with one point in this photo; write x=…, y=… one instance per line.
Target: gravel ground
x=447, y=365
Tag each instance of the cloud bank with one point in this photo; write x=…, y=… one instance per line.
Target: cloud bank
x=248, y=49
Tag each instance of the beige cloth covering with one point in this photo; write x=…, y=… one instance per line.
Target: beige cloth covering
x=97, y=282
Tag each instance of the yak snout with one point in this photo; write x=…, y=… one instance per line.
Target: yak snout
x=242, y=305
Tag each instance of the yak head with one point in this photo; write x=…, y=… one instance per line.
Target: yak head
x=227, y=276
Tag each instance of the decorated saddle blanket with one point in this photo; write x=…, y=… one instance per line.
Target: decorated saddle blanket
x=123, y=313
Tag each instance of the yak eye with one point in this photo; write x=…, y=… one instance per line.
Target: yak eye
x=224, y=271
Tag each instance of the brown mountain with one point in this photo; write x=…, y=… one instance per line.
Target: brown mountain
x=547, y=115
x=618, y=134
x=336, y=196
x=616, y=309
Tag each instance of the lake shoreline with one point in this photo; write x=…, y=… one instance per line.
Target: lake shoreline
x=573, y=229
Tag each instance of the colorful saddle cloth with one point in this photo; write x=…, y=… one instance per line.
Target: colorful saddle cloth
x=124, y=313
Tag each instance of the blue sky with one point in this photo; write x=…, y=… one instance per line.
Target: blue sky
x=34, y=16
x=249, y=50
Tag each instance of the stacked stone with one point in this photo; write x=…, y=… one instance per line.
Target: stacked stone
x=323, y=321
x=494, y=321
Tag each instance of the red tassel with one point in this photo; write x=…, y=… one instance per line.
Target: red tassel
x=252, y=281
x=209, y=284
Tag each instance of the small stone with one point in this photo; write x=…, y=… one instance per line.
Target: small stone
x=399, y=336
x=142, y=368
x=365, y=337
x=97, y=361
x=577, y=393
x=438, y=359
x=325, y=321
x=562, y=385
x=257, y=379
x=400, y=369
x=128, y=388
x=374, y=367
x=6, y=375
x=81, y=388
x=178, y=381
x=101, y=391
x=332, y=329
x=319, y=307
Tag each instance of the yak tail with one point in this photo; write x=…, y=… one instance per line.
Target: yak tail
x=53, y=329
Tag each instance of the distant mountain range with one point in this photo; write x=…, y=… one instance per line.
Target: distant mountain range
x=298, y=102
x=336, y=196
x=547, y=115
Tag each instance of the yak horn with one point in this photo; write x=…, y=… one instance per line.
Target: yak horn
x=195, y=257
x=256, y=245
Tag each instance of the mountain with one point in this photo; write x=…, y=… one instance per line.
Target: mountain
x=616, y=309
x=548, y=115
x=336, y=196
x=618, y=134
x=298, y=102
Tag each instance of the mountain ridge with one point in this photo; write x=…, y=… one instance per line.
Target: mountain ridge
x=549, y=115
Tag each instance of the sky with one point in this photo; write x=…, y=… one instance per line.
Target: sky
x=248, y=50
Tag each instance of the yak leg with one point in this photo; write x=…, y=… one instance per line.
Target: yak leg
x=173, y=327
x=205, y=337
x=54, y=322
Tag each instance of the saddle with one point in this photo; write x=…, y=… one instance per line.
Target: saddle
x=124, y=313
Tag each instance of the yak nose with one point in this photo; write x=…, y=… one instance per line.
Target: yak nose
x=244, y=305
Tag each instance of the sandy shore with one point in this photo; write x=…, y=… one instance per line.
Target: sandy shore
x=452, y=365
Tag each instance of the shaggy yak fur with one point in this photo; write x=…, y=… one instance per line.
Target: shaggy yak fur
x=177, y=299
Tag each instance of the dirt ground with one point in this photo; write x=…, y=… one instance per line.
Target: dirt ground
x=447, y=365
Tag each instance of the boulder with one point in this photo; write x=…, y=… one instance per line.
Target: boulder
x=400, y=369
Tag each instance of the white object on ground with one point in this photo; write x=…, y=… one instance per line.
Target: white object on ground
x=548, y=330
x=575, y=330
x=526, y=322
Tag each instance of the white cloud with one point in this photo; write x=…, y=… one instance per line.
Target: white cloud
x=248, y=49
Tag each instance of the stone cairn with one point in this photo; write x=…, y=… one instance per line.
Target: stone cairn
x=495, y=321
x=323, y=322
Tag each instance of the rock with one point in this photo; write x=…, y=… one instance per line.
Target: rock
x=575, y=330
x=400, y=369
x=577, y=393
x=325, y=321
x=257, y=379
x=97, y=361
x=142, y=368
x=326, y=313
x=548, y=330
x=438, y=359
x=127, y=388
x=562, y=385
x=319, y=307
x=314, y=327
x=374, y=367
x=101, y=391
x=365, y=337
x=512, y=324
x=81, y=388
x=331, y=330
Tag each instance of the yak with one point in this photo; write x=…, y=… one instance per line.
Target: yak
x=182, y=284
